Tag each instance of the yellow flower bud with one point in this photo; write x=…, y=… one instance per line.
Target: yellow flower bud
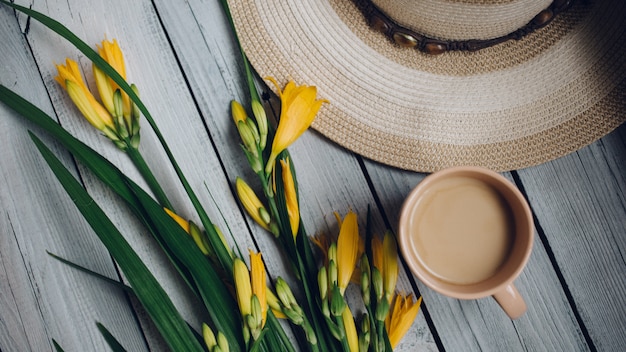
x=111, y=53
x=242, y=286
x=259, y=287
x=238, y=112
x=350, y=329
x=347, y=249
x=291, y=197
x=251, y=202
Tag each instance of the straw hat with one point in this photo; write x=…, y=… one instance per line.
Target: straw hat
x=507, y=106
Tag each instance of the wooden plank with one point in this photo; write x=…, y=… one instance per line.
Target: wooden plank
x=42, y=299
x=581, y=205
x=481, y=325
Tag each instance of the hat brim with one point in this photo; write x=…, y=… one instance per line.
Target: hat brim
x=507, y=107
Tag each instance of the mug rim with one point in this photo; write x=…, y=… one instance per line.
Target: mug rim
x=483, y=288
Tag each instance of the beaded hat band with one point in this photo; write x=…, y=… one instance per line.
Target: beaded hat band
x=406, y=37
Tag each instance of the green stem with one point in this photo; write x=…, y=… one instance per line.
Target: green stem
x=380, y=330
x=148, y=176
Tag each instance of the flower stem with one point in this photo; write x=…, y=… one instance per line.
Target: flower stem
x=148, y=176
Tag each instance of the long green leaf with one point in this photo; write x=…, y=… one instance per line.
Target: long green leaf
x=149, y=292
x=106, y=279
x=110, y=339
x=56, y=346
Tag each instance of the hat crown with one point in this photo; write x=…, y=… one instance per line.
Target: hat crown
x=462, y=19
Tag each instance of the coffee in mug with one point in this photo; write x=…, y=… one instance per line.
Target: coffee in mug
x=467, y=232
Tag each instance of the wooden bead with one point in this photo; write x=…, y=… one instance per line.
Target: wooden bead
x=404, y=39
x=379, y=24
x=543, y=17
x=560, y=4
x=435, y=48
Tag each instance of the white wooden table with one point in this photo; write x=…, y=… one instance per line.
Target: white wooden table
x=182, y=57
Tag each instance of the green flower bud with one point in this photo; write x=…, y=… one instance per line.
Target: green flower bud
x=209, y=337
x=261, y=120
x=253, y=128
x=134, y=111
x=222, y=342
x=118, y=118
x=334, y=329
x=284, y=293
x=265, y=215
x=197, y=236
x=337, y=302
x=325, y=308
x=377, y=282
x=332, y=252
x=332, y=273
x=293, y=316
x=257, y=316
x=247, y=137
x=382, y=308
x=322, y=282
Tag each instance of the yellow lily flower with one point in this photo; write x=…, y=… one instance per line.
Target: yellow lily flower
x=299, y=105
x=401, y=317
x=347, y=250
x=110, y=51
x=390, y=265
x=291, y=198
x=251, y=203
x=72, y=81
x=350, y=328
x=259, y=287
x=385, y=259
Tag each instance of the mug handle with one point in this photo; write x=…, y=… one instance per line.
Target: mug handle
x=511, y=301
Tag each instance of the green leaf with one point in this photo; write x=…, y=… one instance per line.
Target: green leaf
x=56, y=346
x=110, y=339
x=149, y=292
x=115, y=283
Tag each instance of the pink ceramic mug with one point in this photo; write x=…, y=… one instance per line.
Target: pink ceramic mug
x=467, y=233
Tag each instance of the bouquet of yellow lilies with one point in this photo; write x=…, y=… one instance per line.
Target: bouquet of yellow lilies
x=324, y=265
